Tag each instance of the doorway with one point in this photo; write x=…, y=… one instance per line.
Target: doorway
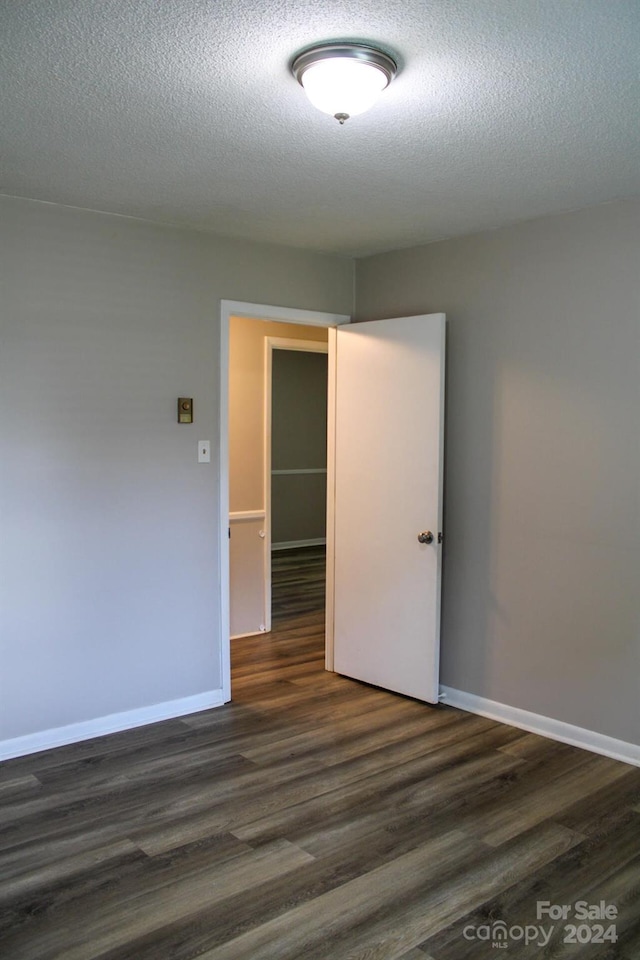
x=385, y=461
x=250, y=521
x=277, y=457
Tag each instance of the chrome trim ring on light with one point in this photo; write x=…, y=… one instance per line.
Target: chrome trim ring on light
x=347, y=51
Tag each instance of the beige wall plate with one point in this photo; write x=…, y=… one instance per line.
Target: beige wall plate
x=185, y=410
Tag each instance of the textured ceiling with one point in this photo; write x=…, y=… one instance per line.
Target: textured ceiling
x=183, y=111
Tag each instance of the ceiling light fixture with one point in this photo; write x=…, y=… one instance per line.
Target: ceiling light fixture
x=343, y=79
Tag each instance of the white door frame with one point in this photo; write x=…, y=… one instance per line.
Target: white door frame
x=271, y=344
x=259, y=311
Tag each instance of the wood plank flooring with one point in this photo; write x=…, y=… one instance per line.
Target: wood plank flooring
x=313, y=818
x=297, y=582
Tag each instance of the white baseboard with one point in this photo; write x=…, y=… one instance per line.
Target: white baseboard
x=113, y=723
x=544, y=726
x=292, y=544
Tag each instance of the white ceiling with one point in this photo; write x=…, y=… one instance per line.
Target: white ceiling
x=184, y=111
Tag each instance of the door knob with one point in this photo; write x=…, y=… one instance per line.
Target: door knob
x=425, y=537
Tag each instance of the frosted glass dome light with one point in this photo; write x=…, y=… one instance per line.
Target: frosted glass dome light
x=343, y=79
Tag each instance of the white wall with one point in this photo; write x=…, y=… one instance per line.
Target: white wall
x=541, y=604
x=108, y=524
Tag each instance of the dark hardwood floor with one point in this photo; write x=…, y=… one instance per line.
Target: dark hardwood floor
x=314, y=818
x=297, y=583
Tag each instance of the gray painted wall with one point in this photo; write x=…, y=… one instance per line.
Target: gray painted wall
x=298, y=441
x=109, y=536
x=107, y=524
x=541, y=604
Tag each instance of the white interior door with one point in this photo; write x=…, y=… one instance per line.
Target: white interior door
x=389, y=427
